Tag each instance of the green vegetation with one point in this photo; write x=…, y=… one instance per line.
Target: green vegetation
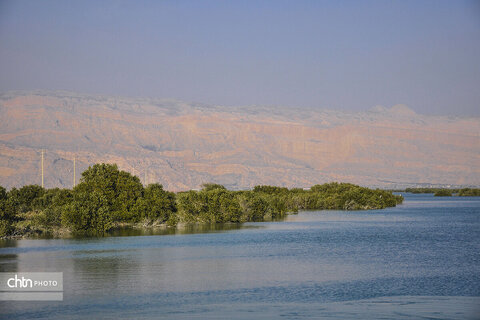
x=429, y=190
x=443, y=192
x=469, y=192
x=107, y=198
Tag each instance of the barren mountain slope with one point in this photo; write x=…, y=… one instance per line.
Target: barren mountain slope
x=184, y=145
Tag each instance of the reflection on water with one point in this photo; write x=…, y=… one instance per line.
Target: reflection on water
x=184, y=229
x=420, y=259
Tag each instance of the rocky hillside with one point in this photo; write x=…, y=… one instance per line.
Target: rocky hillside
x=183, y=145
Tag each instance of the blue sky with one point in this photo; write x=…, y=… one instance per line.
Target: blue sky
x=348, y=55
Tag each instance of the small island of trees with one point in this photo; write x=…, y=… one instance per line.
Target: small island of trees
x=107, y=198
x=444, y=192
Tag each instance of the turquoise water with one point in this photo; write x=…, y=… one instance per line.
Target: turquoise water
x=418, y=260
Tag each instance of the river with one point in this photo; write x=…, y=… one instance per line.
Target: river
x=420, y=259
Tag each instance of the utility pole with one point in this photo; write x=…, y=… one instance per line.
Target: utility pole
x=145, y=178
x=43, y=151
x=74, y=178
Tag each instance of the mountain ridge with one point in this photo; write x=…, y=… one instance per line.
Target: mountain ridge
x=186, y=144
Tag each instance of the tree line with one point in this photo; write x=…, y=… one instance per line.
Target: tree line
x=107, y=197
x=444, y=192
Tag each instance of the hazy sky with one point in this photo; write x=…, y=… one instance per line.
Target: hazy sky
x=349, y=55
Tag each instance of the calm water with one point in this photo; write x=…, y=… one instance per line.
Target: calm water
x=420, y=260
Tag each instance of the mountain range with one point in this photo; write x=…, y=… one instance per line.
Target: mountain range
x=183, y=145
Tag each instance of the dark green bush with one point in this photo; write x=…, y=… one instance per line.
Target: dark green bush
x=107, y=197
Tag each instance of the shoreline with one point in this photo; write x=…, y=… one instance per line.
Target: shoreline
x=65, y=233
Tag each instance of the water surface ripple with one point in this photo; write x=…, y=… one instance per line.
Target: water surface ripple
x=420, y=259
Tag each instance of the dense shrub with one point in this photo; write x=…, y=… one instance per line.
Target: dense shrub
x=469, y=192
x=107, y=197
x=443, y=193
x=156, y=204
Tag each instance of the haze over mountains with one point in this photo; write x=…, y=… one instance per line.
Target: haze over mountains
x=183, y=145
